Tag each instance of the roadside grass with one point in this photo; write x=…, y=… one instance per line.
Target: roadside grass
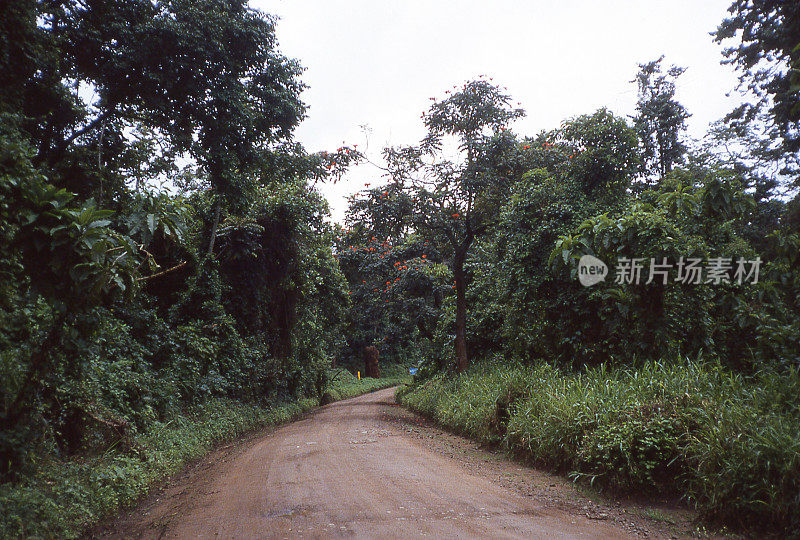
x=658, y=515
x=729, y=445
x=64, y=498
x=345, y=385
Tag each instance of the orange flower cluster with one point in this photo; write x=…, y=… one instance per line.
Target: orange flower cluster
x=384, y=248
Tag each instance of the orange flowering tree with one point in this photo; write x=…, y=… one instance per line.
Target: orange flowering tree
x=395, y=282
x=456, y=199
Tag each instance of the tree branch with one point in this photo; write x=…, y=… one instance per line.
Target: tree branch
x=164, y=272
x=63, y=145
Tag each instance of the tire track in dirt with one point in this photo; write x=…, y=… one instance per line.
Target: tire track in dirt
x=353, y=468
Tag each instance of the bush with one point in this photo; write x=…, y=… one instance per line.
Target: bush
x=329, y=396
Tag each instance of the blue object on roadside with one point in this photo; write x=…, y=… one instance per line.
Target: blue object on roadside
x=412, y=371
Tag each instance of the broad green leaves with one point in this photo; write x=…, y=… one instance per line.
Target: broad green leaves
x=70, y=252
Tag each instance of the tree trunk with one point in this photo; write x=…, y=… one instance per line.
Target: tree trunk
x=371, y=366
x=214, y=227
x=462, y=359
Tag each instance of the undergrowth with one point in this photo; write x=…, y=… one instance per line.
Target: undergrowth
x=63, y=498
x=729, y=445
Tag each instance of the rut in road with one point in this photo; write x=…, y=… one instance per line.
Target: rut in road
x=350, y=469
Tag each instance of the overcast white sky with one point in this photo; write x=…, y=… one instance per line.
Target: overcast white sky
x=378, y=62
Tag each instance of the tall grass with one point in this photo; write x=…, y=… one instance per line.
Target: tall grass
x=731, y=446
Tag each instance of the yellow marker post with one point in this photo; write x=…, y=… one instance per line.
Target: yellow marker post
x=359, y=375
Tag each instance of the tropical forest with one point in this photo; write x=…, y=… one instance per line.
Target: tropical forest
x=609, y=301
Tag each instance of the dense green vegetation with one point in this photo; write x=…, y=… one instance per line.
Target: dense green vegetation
x=727, y=443
x=671, y=382
x=541, y=204
x=168, y=271
x=170, y=277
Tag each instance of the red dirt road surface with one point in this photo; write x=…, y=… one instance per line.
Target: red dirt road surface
x=350, y=469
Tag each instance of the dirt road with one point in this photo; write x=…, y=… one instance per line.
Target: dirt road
x=349, y=469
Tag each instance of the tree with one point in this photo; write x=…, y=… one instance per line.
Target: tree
x=599, y=150
x=396, y=285
x=98, y=98
x=275, y=257
x=457, y=201
x=583, y=168
x=767, y=56
x=659, y=119
x=97, y=71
